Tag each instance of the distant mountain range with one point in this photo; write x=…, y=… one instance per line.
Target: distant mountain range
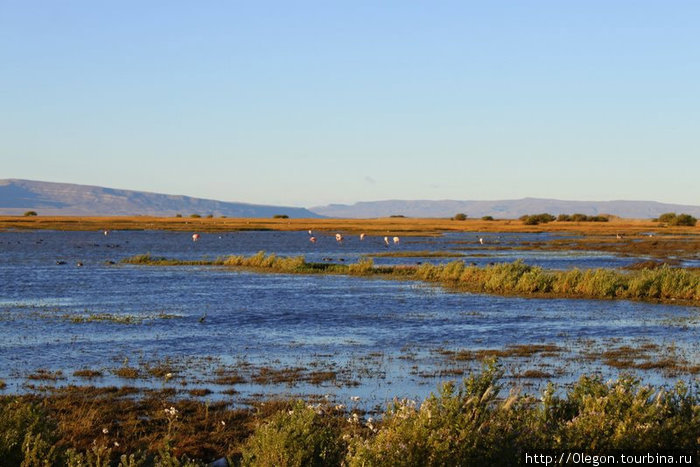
x=505, y=209
x=64, y=199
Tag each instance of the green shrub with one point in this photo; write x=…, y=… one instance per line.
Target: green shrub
x=563, y=218
x=458, y=426
x=534, y=219
x=195, y=216
x=667, y=217
x=460, y=217
x=280, y=216
x=684, y=219
x=297, y=437
x=487, y=218
x=30, y=213
x=25, y=434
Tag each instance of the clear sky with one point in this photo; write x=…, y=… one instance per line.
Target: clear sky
x=309, y=103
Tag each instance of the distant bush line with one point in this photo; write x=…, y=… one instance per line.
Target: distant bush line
x=517, y=278
x=469, y=423
x=671, y=218
x=534, y=219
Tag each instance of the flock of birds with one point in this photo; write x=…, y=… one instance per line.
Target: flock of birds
x=312, y=238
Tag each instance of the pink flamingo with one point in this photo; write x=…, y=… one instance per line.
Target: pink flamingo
x=362, y=236
x=195, y=237
x=312, y=239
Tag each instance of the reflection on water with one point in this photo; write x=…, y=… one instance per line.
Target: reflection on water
x=381, y=338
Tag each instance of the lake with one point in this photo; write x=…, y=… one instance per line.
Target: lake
x=245, y=335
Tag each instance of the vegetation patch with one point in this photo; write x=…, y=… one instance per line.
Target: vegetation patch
x=517, y=278
x=88, y=374
x=472, y=422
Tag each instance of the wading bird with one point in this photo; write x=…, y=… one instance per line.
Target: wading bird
x=362, y=236
x=338, y=238
x=195, y=237
x=481, y=240
x=386, y=241
x=396, y=240
x=312, y=239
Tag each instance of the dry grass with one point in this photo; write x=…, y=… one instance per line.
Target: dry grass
x=379, y=226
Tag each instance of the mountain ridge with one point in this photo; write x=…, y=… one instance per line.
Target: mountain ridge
x=50, y=198
x=67, y=199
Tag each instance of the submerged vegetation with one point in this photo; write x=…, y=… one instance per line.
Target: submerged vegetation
x=463, y=424
x=661, y=283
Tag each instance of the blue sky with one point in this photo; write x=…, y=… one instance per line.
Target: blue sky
x=309, y=103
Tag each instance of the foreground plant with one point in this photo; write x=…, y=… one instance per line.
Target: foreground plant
x=471, y=423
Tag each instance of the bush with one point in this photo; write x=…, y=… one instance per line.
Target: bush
x=563, y=218
x=534, y=219
x=578, y=217
x=487, y=218
x=684, y=219
x=25, y=434
x=296, y=437
x=195, y=216
x=30, y=213
x=280, y=216
x=667, y=217
x=178, y=215
x=463, y=425
x=460, y=217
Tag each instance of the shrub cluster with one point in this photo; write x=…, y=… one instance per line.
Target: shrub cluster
x=460, y=217
x=671, y=218
x=581, y=218
x=534, y=219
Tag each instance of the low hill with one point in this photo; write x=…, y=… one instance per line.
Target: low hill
x=65, y=199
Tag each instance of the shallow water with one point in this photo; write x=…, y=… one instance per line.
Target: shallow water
x=382, y=338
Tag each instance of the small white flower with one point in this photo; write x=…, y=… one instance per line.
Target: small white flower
x=105, y=430
x=116, y=445
x=223, y=423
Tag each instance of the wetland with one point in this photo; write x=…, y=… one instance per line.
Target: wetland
x=99, y=319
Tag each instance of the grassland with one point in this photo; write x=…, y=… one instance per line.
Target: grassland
x=383, y=226
x=467, y=423
x=661, y=284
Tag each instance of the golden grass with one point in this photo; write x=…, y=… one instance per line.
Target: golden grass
x=378, y=226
